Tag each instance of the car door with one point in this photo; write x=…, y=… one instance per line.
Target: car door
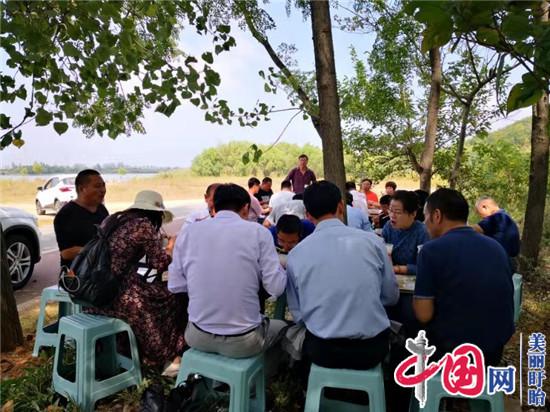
x=49, y=192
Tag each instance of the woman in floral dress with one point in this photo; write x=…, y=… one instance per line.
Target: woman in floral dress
x=156, y=316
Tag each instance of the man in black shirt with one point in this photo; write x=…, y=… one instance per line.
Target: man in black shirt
x=265, y=192
x=75, y=224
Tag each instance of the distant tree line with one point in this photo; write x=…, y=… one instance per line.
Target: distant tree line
x=44, y=169
x=226, y=159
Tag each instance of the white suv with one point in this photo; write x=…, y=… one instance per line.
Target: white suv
x=22, y=237
x=57, y=191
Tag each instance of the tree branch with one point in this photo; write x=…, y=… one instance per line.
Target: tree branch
x=302, y=95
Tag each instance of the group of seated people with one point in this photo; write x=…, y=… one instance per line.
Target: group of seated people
x=339, y=279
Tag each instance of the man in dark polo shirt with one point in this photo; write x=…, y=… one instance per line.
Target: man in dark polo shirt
x=75, y=224
x=464, y=290
x=301, y=176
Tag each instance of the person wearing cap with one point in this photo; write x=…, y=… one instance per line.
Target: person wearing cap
x=154, y=314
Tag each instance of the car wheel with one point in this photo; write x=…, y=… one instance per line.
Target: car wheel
x=39, y=209
x=20, y=262
x=57, y=205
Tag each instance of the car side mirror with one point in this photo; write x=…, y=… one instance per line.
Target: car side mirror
x=39, y=188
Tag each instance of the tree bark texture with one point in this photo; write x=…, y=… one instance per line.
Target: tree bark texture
x=329, y=103
x=430, y=136
x=538, y=176
x=460, y=145
x=11, y=331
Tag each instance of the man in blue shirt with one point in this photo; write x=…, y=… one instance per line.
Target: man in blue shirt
x=357, y=218
x=289, y=231
x=464, y=290
x=339, y=280
x=497, y=224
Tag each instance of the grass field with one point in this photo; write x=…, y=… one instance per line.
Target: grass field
x=173, y=185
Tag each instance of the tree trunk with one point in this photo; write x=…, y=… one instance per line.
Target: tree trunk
x=538, y=176
x=427, y=157
x=460, y=145
x=329, y=103
x=11, y=331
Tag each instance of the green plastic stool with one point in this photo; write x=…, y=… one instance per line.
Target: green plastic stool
x=370, y=381
x=518, y=290
x=436, y=393
x=47, y=335
x=86, y=330
x=239, y=374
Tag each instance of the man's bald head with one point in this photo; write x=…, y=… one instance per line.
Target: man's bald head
x=486, y=206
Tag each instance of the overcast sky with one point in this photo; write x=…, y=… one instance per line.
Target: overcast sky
x=175, y=141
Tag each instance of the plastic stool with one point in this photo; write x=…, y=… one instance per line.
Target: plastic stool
x=47, y=335
x=436, y=393
x=370, y=381
x=518, y=289
x=85, y=329
x=239, y=374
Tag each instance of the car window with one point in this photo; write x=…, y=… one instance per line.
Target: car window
x=54, y=182
x=48, y=184
x=68, y=181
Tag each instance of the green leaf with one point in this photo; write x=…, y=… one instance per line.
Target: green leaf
x=60, y=127
x=70, y=50
x=196, y=101
x=488, y=35
x=223, y=28
x=207, y=57
x=43, y=117
x=4, y=121
x=40, y=97
x=267, y=89
x=257, y=156
x=246, y=158
x=523, y=95
x=516, y=26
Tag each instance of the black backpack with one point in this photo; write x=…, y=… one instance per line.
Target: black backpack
x=89, y=281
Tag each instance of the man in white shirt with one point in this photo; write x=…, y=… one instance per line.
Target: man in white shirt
x=359, y=199
x=208, y=211
x=293, y=207
x=284, y=196
x=220, y=263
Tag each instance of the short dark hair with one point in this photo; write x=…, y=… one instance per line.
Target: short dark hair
x=350, y=185
x=349, y=199
x=267, y=180
x=298, y=196
x=303, y=156
x=211, y=188
x=229, y=196
x=322, y=198
x=253, y=181
x=391, y=184
x=450, y=203
x=408, y=199
x=83, y=178
x=385, y=200
x=366, y=179
x=286, y=184
x=289, y=224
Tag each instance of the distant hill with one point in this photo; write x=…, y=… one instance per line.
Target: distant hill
x=518, y=133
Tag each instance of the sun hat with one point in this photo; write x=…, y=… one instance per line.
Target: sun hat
x=151, y=200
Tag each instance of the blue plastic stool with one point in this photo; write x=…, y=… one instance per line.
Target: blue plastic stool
x=47, y=335
x=518, y=290
x=86, y=330
x=370, y=381
x=436, y=393
x=239, y=374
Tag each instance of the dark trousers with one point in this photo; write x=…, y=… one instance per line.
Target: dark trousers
x=346, y=353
